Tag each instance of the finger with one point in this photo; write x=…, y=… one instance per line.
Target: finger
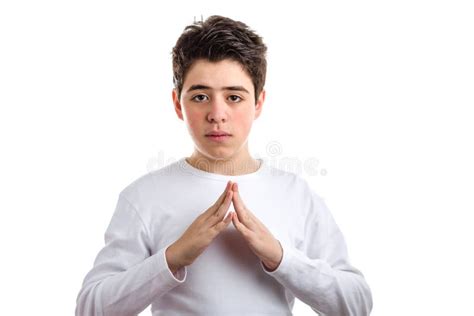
x=243, y=214
x=240, y=227
x=238, y=199
x=223, y=194
x=220, y=212
x=223, y=224
x=220, y=200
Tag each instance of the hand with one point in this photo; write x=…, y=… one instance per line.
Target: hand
x=200, y=233
x=258, y=237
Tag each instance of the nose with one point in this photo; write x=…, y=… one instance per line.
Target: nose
x=217, y=111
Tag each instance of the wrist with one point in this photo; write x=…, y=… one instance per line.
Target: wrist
x=269, y=266
x=274, y=263
x=172, y=259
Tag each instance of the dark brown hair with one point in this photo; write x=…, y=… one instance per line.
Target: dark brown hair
x=215, y=39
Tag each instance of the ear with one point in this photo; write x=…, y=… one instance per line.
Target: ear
x=177, y=105
x=259, y=104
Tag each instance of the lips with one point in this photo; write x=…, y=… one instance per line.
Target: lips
x=218, y=134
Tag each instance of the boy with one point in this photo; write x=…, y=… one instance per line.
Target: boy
x=170, y=243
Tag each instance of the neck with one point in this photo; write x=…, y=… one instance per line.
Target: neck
x=233, y=166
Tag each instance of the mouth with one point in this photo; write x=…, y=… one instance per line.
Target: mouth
x=218, y=137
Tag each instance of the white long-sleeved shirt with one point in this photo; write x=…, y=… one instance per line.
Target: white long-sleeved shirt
x=130, y=272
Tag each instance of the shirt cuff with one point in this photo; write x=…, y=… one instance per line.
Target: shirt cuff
x=285, y=264
x=181, y=273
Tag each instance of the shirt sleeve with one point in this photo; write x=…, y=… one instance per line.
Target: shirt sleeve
x=320, y=274
x=126, y=277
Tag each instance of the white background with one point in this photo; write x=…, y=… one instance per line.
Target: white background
x=379, y=94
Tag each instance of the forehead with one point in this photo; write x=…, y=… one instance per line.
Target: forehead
x=218, y=74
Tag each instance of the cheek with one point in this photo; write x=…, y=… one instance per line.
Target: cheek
x=244, y=119
x=193, y=122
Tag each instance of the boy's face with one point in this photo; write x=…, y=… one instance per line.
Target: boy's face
x=218, y=96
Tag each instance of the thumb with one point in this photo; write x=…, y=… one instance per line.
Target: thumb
x=223, y=224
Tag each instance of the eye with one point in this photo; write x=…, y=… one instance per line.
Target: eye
x=235, y=98
x=199, y=97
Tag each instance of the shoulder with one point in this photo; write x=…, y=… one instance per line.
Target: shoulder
x=298, y=183
x=293, y=181
x=294, y=177
x=152, y=184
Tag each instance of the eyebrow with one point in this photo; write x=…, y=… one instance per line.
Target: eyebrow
x=203, y=87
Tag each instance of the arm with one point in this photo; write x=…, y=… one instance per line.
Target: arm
x=319, y=274
x=126, y=278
